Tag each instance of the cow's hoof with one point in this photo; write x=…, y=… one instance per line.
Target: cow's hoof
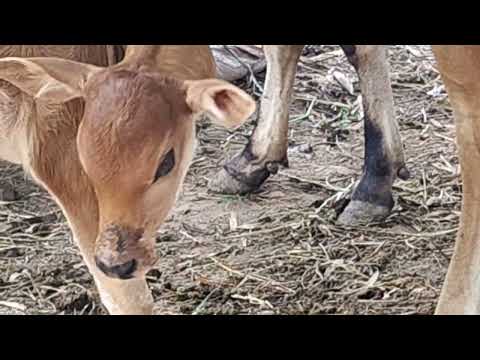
x=224, y=183
x=362, y=213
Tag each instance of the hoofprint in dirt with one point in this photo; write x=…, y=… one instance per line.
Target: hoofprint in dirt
x=277, y=251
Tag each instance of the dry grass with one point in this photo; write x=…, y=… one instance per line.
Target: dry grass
x=277, y=251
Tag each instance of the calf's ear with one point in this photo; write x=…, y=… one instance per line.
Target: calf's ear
x=53, y=79
x=225, y=104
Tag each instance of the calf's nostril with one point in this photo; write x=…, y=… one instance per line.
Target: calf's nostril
x=126, y=270
x=123, y=271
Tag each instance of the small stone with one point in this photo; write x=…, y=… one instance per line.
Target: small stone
x=403, y=173
x=272, y=167
x=8, y=194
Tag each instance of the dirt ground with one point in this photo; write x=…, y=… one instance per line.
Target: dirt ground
x=277, y=251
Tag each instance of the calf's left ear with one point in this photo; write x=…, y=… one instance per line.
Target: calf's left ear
x=54, y=79
x=224, y=103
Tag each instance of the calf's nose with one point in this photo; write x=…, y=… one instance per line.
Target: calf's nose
x=123, y=271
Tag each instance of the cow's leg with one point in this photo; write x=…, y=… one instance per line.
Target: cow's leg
x=460, y=68
x=384, y=160
x=268, y=146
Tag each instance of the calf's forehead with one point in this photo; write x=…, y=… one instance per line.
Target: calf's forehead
x=134, y=103
x=130, y=117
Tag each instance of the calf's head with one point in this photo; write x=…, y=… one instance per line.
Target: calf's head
x=135, y=143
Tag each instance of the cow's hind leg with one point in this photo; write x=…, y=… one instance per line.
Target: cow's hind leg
x=384, y=160
x=460, y=69
x=268, y=146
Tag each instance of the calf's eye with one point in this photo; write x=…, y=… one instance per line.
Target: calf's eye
x=166, y=166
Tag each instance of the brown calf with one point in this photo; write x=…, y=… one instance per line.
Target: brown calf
x=112, y=145
x=384, y=159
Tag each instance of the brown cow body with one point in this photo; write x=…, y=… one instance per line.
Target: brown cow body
x=112, y=145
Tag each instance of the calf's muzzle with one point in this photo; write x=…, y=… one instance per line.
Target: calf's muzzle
x=124, y=252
